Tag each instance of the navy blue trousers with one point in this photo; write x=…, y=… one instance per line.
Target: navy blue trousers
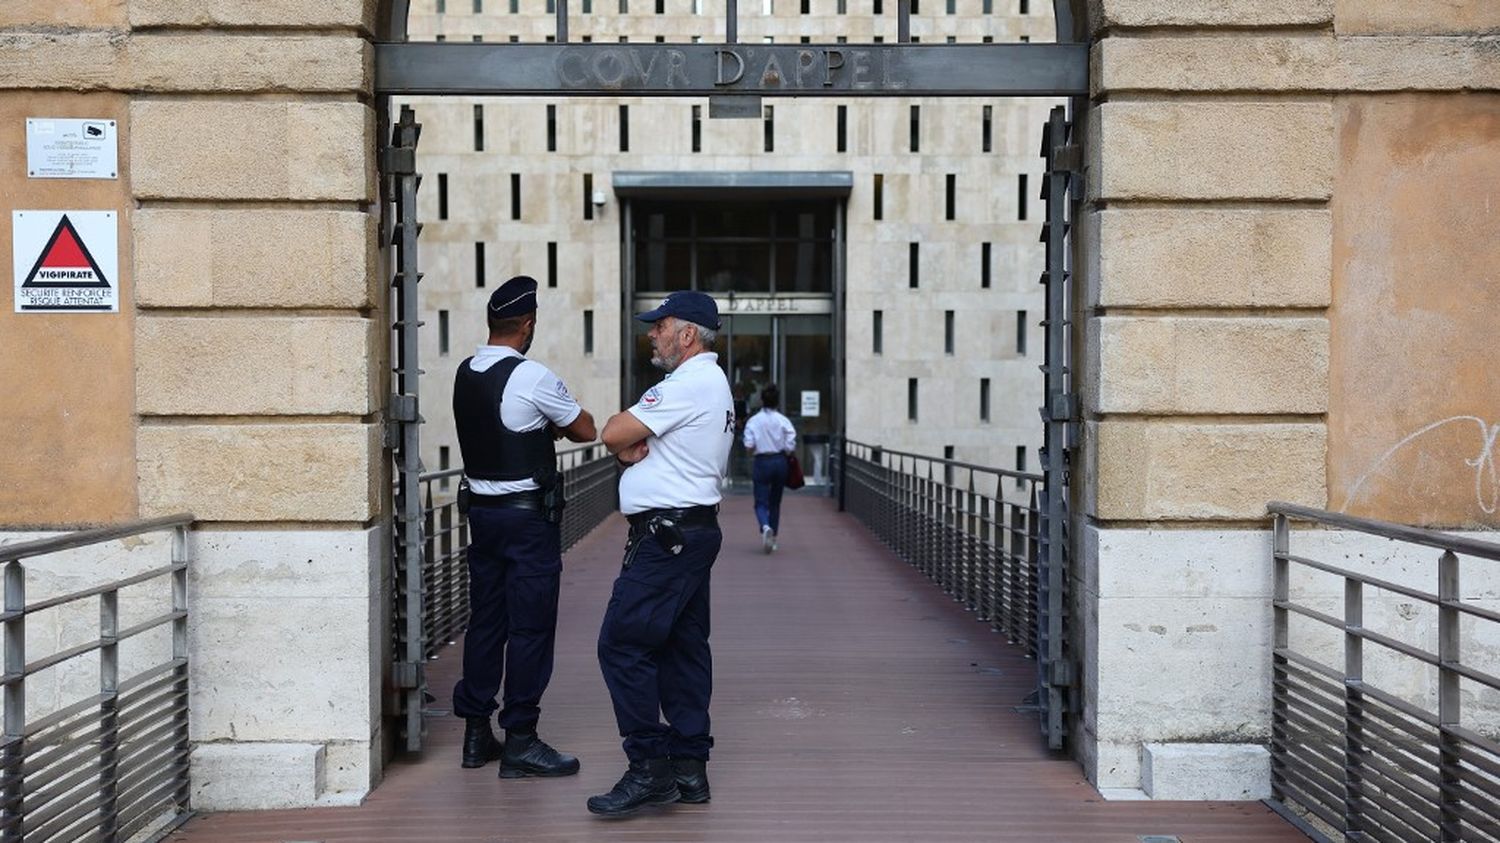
x=515, y=567
x=653, y=649
x=770, y=481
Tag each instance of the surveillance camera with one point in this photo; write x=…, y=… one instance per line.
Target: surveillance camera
x=598, y=197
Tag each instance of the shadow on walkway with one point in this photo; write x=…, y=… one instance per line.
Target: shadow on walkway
x=853, y=701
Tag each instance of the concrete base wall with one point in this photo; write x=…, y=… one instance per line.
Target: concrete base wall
x=1176, y=648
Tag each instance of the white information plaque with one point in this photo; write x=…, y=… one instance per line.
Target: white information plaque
x=69, y=148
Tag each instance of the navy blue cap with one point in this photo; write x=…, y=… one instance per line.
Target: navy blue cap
x=516, y=297
x=689, y=306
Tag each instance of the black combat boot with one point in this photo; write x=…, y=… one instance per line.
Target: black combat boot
x=692, y=779
x=647, y=782
x=480, y=745
x=525, y=754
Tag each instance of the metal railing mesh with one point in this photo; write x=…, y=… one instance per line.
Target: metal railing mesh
x=589, y=485
x=971, y=529
x=1385, y=703
x=110, y=762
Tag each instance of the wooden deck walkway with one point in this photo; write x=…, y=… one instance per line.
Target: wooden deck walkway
x=853, y=702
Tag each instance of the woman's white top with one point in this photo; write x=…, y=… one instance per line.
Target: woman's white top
x=769, y=432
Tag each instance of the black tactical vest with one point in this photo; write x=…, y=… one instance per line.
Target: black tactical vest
x=490, y=450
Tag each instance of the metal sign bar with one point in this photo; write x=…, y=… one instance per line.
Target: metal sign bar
x=908, y=70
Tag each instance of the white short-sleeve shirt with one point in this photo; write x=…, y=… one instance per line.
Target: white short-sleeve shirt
x=769, y=432
x=691, y=418
x=534, y=397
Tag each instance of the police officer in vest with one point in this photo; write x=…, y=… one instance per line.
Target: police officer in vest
x=653, y=646
x=509, y=411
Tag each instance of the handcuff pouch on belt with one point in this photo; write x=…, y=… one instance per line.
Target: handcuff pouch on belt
x=463, y=496
x=663, y=529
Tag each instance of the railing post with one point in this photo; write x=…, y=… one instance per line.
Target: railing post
x=1451, y=798
x=1280, y=641
x=181, y=558
x=843, y=481
x=1354, y=748
x=109, y=724
x=15, y=700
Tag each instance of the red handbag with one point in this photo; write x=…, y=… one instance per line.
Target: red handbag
x=794, y=478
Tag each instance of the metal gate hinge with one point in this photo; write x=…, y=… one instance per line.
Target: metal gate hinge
x=1060, y=674
x=1068, y=158
x=398, y=160
x=406, y=674
x=403, y=408
x=1062, y=407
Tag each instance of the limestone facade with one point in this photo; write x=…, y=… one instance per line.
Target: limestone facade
x=242, y=379
x=1284, y=285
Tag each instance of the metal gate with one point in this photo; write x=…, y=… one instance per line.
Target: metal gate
x=734, y=77
x=1056, y=673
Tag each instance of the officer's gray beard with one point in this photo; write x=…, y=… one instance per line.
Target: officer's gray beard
x=667, y=364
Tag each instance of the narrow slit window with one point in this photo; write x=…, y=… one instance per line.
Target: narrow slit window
x=478, y=7
x=445, y=462
x=1025, y=7
x=624, y=7
x=913, y=261
x=551, y=7
x=624, y=128
x=515, y=196
x=843, y=7
x=879, y=197
x=661, y=7
x=1025, y=39
x=442, y=6
x=588, y=196
x=697, y=128
x=806, y=7
x=770, y=128
x=843, y=128
x=952, y=7
x=442, y=332
x=951, y=198
x=588, y=332
x=988, y=39
x=515, y=7
x=514, y=39
x=1021, y=332
x=479, y=264
x=987, y=132
x=948, y=332
x=442, y=196
x=478, y=128
x=911, y=399
x=949, y=453
x=877, y=9
x=552, y=264
x=984, y=399
x=916, y=128
x=1021, y=196
x=1020, y=463
x=588, y=9
x=916, y=9
x=478, y=39
x=697, y=7
x=551, y=128
x=988, y=7
x=440, y=38
x=985, y=250
x=877, y=332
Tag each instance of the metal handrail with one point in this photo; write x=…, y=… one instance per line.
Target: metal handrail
x=83, y=538
x=1362, y=761
x=978, y=541
x=114, y=764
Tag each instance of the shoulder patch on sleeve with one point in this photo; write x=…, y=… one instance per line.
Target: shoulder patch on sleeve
x=652, y=399
x=562, y=390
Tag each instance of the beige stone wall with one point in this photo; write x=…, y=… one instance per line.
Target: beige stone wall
x=1287, y=293
x=243, y=378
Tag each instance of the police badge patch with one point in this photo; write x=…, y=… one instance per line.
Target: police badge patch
x=562, y=390
x=651, y=399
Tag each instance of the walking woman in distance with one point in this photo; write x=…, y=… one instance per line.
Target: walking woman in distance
x=769, y=435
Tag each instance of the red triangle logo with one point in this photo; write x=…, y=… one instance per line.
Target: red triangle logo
x=65, y=261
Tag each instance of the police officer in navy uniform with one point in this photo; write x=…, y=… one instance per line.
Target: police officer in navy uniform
x=509, y=411
x=653, y=645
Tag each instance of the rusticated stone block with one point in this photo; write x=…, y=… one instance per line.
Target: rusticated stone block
x=1450, y=17
x=1237, y=62
x=1193, y=365
x=1166, y=470
x=1211, y=150
x=204, y=366
x=254, y=258
x=359, y=14
x=1211, y=257
x=259, y=472
x=194, y=62
x=252, y=150
x=1238, y=13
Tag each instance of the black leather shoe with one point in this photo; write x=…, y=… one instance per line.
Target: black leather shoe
x=646, y=783
x=525, y=754
x=692, y=780
x=480, y=745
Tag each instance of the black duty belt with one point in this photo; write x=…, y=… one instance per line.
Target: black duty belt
x=692, y=516
x=514, y=500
